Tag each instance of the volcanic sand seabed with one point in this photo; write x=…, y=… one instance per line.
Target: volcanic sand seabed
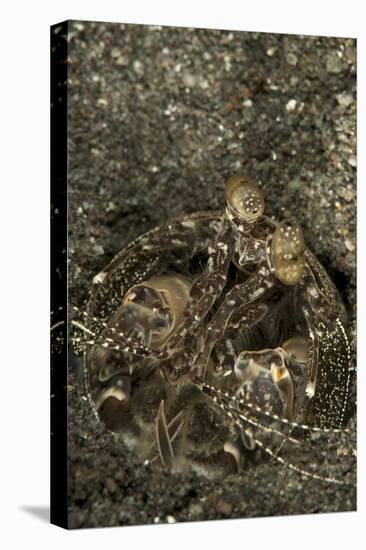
x=158, y=119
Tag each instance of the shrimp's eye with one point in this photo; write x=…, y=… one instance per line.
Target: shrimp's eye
x=288, y=252
x=244, y=198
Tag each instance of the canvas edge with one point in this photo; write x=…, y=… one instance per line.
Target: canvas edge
x=58, y=228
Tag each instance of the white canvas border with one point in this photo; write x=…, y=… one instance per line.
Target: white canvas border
x=25, y=269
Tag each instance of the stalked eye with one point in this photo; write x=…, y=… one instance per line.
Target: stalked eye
x=288, y=252
x=245, y=198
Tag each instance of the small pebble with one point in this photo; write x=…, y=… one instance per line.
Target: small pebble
x=189, y=80
x=291, y=105
x=195, y=509
x=223, y=507
x=344, y=99
x=171, y=519
x=291, y=59
x=138, y=67
x=115, y=52
x=350, y=245
x=98, y=249
x=334, y=64
x=122, y=60
x=294, y=185
x=111, y=485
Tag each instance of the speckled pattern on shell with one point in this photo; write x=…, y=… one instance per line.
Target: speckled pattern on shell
x=159, y=118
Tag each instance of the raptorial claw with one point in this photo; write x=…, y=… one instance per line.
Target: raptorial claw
x=174, y=428
x=163, y=438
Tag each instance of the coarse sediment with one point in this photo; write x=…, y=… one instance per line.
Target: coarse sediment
x=159, y=118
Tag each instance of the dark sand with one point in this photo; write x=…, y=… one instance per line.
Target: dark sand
x=158, y=119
